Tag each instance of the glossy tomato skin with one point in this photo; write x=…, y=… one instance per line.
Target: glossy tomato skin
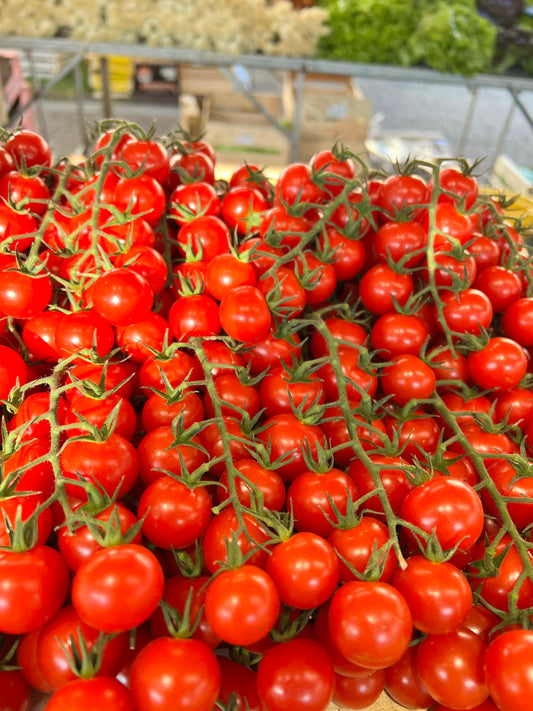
x=429, y=507
x=438, y=594
x=104, y=693
x=65, y=631
x=287, y=435
x=16, y=694
x=403, y=683
x=507, y=665
x=370, y=623
x=118, y=588
x=224, y=527
x=178, y=592
x=359, y=692
x=174, y=516
x=175, y=673
x=451, y=668
x=312, y=497
x=244, y=314
x=356, y=546
x=305, y=570
x=24, y=295
x=12, y=368
x=381, y=286
x=296, y=674
x=112, y=464
x=29, y=149
x=34, y=585
x=78, y=545
x=242, y=605
x=500, y=365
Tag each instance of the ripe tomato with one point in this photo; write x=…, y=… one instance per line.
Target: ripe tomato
x=457, y=187
x=366, y=548
x=408, y=378
x=295, y=186
x=13, y=371
x=448, y=508
x=194, y=316
x=438, y=594
x=358, y=691
x=105, y=693
x=465, y=311
x=16, y=693
x=250, y=480
x=111, y=464
x=118, y=588
x=24, y=295
x=242, y=208
x=305, y=570
x=225, y=272
x=79, y=545
x=370, y=623
x=316, y=498
x=296, y=674
x=204, y=237
x=403, y=683
x=394, y=334
x=400, y=191
x=244, y=314
x=499, y=365
x=507, y=665
x=401, y=242
x=34, y=585
x=66, y=630
x=159, y=453
x=141, y=196
x=194, y=200
x=517, y=321
x=381, y=287
x=287, y=438
x=242, y=605
x=178, y=592
x=225, y=529
x=451, y=668
x=174, y=515
x=146, y=157
x=168, y=674
x=334, y=171
x=28, y=149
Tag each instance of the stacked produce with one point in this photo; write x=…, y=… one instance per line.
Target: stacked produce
x=265, y=444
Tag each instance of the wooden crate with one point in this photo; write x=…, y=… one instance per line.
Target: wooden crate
x=235, y=106
x=202, y=81
x=258, y=143
x=328, y=119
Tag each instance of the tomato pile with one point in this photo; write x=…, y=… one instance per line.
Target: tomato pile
x=265, y=444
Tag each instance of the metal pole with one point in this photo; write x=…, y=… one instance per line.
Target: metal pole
x=107, y=106
x=78, y=84
x=468, y=121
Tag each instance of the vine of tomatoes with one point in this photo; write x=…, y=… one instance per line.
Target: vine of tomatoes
x=265, y=444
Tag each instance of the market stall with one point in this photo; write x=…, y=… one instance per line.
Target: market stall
x=266, y=434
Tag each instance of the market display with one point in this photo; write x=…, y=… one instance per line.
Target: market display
x=265, y=442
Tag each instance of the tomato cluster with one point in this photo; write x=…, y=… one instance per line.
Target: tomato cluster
x=265, y=444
